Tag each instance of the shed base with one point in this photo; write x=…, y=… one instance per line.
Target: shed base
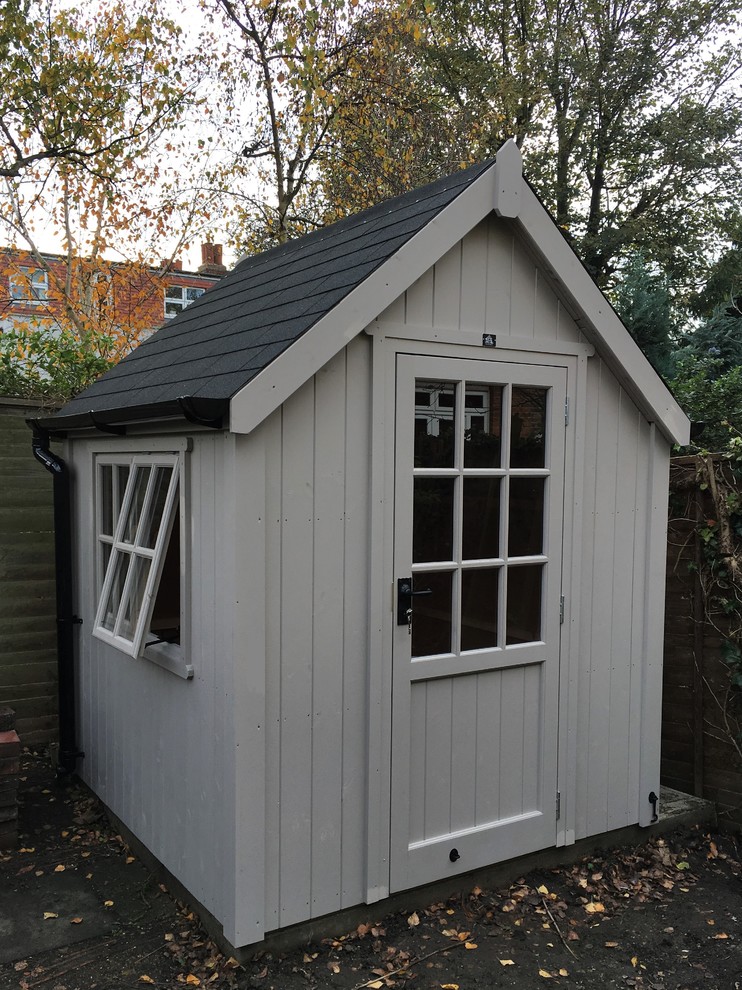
x=676, y=809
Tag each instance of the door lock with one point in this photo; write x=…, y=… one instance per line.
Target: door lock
x=405, y=594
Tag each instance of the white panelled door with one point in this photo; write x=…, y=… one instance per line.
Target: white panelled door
x=479, y=482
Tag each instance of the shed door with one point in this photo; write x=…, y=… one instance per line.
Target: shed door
x=479, y=479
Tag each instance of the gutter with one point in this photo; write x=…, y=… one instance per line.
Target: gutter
x=66, y=619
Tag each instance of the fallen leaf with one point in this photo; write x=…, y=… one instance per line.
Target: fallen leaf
x=507, y=962
x=563, y=972
x=463, y=936
x=65, y=834
x=50, y=914
x=107, y=903
x=75, y=921
x=59, y=869
x=145, y=979
x=682, y=865
x=476, y=892
x=449, y=986
x=721, y=935
x=594, y=907
x=20, y=965
x=85, y=855
x=611, y=945
x=470, y=945
x=376, y=985
x=634, y=961
x=39, y=873
x=27, y=849
x=450, y=933
x=192, y=980
x=713, y=851
x=710, y=921
x=333, y=966
x=169, y=936
x=413, y=921
x=546, y=976
x=543, y=890
x=130, y=859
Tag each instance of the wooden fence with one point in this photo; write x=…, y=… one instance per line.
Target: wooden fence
x=28, y=653
x=699, y=755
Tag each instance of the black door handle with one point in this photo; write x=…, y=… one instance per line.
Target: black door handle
x=405, y=594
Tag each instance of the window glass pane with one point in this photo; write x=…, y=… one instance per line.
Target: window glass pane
x=481, y=518
x=156, y=506
x=122, y=479
x=113, y=599
x=523, y=623
x=526, y=522
x=174, y=292
x=482, y=425
x=192, y=294
x=435, y=421
x=479, y=608
x=431, y=615
x=165, y=624
x=135, y=596
x=141, y=477
x=528, y=427
x=105, y=504
x=432, y=519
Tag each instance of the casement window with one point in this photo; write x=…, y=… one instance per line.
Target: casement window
x=140, y=562
x=177, y=297
x=29, y=285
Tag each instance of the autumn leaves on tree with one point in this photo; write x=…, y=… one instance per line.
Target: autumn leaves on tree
x=124, y=133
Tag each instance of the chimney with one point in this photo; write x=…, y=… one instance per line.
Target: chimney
x=211, y=260
x=176, y=265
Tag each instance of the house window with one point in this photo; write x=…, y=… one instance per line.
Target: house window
x=177, y=297
x=139, y=554
x=29, y=285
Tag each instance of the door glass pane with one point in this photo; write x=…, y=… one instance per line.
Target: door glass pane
x=431, y=614
x=435, y=421
x=528, y=427
x=432, y=519
x=526, y=521
x=523, y=622
x=481, y=518
x=479, y=608
x=482, y=425
x=122, y=479
x=141, y=477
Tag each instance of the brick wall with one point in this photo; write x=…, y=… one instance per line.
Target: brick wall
x=28, y=654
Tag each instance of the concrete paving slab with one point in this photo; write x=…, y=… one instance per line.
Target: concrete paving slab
x=23, y=928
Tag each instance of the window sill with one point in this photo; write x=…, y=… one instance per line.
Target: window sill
x=170, y=657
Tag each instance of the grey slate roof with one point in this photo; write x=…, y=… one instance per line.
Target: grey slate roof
x=222, y=340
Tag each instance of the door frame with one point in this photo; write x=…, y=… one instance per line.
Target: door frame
x=388, y=341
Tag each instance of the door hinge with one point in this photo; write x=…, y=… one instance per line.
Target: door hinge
x=561, y=610
x=566, y=411
x=558, y=805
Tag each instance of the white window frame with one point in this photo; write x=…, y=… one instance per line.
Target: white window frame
x=181, y=300
x=172, y=656
x=29, y=285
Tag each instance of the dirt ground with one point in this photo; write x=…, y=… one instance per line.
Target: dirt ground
x=666, y=915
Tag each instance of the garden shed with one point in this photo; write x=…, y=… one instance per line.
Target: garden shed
x=369, y=550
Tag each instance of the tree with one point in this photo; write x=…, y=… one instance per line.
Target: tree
x=94, y=105
x=643, y=300
x=629, y=111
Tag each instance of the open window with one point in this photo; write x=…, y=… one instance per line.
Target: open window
x=140, y=563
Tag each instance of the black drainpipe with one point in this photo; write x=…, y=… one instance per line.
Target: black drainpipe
x=66, y=620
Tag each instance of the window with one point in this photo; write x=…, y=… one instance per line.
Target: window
x=139, y=555
x=177, y=297
x=29, y=285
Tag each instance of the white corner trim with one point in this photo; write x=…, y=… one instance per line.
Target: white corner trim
x=284, y=376
x=508, y=180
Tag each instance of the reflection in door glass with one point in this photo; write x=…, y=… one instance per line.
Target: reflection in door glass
x=481, y=518
x=523, y=620
x=435, y=421
x=479, y=608
x=432, y=519
x=431, y=614
x=528, y=427
x=526, y=517
x=482, y=425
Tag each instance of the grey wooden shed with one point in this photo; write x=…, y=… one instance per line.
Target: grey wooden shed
x=369, y=550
